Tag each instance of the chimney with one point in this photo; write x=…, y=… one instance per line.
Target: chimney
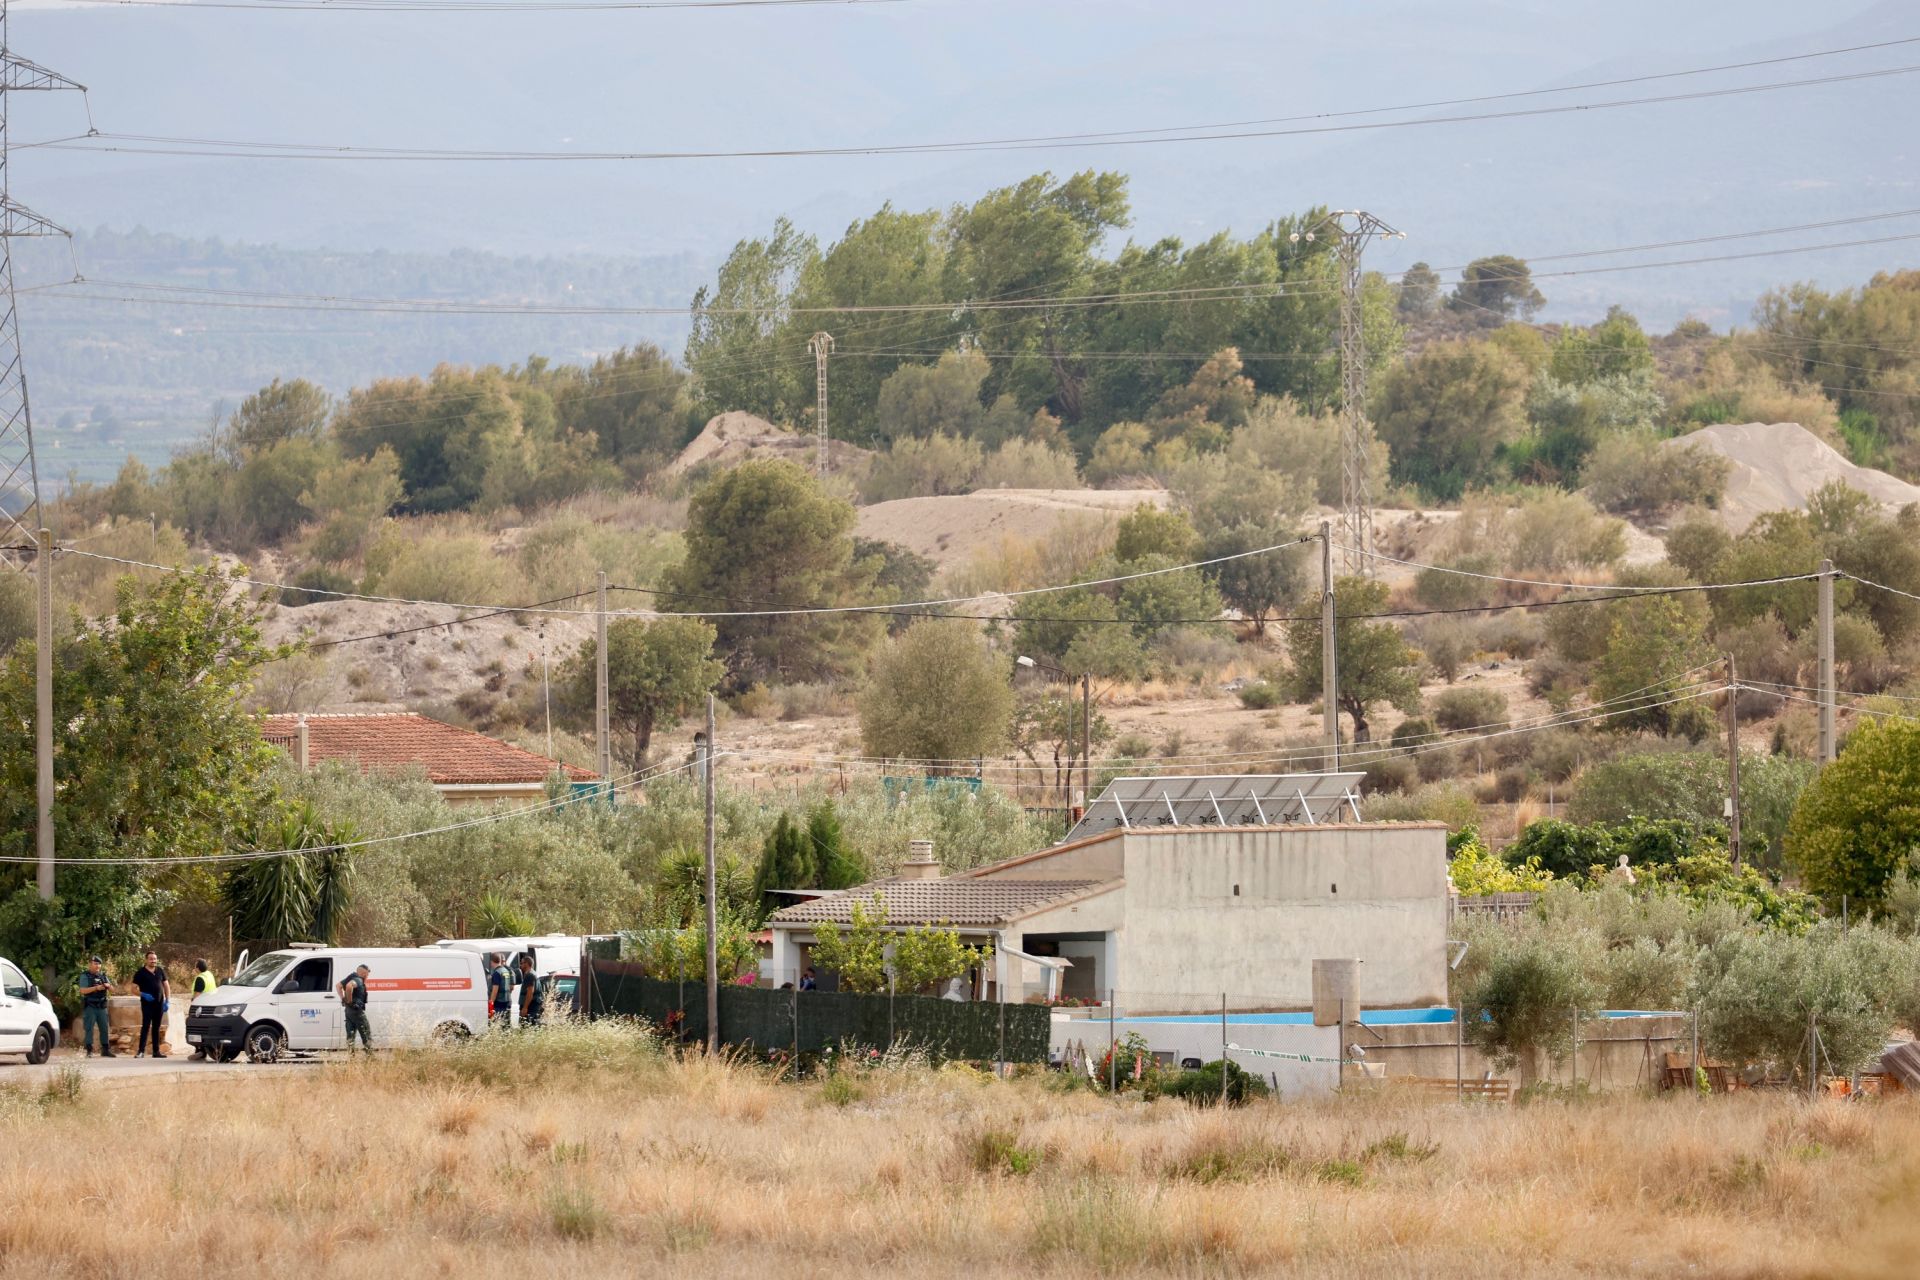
x=300, y=742
x=920, y=863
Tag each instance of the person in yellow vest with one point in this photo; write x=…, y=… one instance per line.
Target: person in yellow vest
x=204, y=984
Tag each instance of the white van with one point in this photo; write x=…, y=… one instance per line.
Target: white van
x=287, y=1001
x=28, y=1024
x=553, y=953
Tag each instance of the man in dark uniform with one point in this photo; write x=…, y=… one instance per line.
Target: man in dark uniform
x=533, y=1001
x=500, y=992
x=353, y=1003
x=156, y=993
x=95, y=986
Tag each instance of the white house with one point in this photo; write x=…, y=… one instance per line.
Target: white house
x=1177, y=900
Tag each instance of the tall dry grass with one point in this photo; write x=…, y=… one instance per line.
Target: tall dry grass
x=591, y=1153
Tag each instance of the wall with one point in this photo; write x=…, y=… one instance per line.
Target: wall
x=1095, y=858
x=1246, y=911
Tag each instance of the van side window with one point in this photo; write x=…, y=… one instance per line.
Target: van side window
x=310, y=977
x=12, y=981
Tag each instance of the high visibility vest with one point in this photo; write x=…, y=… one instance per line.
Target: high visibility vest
x=205, y=984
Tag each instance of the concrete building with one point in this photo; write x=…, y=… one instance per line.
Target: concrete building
x=1169, y=918
x=463, y=766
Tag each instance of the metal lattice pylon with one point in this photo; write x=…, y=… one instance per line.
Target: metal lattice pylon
x=1355, y=227
x=821, y=344
x=20, y=514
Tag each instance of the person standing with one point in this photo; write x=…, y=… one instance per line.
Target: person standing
x=500, y=991
x=204, y=984
x=95, y=986
x=808, y=982
x=156, y=996
x=533, y=1001
x=353, y=1002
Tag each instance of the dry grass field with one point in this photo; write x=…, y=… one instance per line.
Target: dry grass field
x=591, y=1154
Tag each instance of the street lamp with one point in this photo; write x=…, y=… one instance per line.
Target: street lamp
x=1086, y=725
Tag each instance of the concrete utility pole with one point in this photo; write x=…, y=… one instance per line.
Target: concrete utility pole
x=1733, y=763
x=711, y=760
x=1329, y=649
x=1828, y=747
x=20, y=523
x=602, y=714
x=1086, y=741
x=821, y=344
x=1355, y=227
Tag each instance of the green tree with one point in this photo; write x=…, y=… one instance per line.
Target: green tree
x=657, y=672
x=1519, y=992
x=765, y=535
x=299, y=898
x=1372, y=661
x=1858, y=822
x=937, y=693
x=1149, y=531
x=1446, y=413
x=857, y=954
x=926, y=955
x=631, y=401
x=1419, y=290
x=278, y=412
x=1655, y=645
x=741, y=323
x=155, y=756
x=786, y=862
x=1501, y=285
x=1616, y=347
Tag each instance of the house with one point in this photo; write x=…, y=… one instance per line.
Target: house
x=463, y=766
x=1173, y=892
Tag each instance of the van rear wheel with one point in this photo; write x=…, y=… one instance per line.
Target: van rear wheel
x=451, y=1033
x=266, y=1042
x=42, y=1047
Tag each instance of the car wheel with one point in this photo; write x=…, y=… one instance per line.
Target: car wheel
x=42, y=1047
x=452, y=1032
x=265, y=1043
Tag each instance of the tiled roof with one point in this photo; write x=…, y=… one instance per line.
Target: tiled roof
x=450, y=755
x=947, y=901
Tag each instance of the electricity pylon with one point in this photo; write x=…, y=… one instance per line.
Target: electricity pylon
x=821, y=344
x=1355, y=227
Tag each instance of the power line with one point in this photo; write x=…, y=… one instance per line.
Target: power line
x=253, y=149
x=476, y=6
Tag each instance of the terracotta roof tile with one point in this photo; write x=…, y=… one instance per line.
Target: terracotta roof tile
x=450, y=755
x=945, y=901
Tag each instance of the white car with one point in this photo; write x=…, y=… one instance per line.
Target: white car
x=28, y=1024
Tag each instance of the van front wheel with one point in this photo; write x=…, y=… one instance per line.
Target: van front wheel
x=42, y=1047
x=266, y=1042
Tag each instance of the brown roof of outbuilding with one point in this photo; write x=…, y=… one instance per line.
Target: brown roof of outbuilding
x=947, y=901
x=451, y=756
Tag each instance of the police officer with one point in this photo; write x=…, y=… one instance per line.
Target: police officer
x=204, y=984
x=500, y=991
x=533, y=1001
x=353, y=1002
x=95, y=986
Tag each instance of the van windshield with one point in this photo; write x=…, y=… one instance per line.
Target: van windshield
x=261, y=971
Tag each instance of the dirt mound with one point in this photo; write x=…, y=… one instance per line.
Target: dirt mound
x=1777, y=466
x=735, y=436
x=949, y=530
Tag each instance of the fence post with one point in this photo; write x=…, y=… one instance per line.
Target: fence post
x=1340, y=1052
x=1693, y=1074
x=1223, y=1048
x=1112, y=1045
x=890, y=1035
x=1459, y=1053
x=1813, y=1052
x=796, y=1031
x=1003, y=1033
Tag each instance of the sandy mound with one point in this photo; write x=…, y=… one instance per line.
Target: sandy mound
x=950, y=530
x=1777, y=466
x=735, y=436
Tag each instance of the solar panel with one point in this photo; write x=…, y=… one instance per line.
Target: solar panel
x=1222, y=800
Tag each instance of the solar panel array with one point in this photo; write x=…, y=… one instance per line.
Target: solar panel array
x=1222, y=800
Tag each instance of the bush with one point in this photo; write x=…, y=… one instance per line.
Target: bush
x=1438, y=588
x=1414, y=731
x=920, y=467
x=1447, y=802
x=1027, y=464
x=1448, y=646
x=1685, y=785
x=1633, y=473
x=1461, y=709
x=1259, y=695
x=316, y=584
x=1518, y=635
x=1389, y=773
x=1201, y=1086
x=454, y=567
x=1858, y=822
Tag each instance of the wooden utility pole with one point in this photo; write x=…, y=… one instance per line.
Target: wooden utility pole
x=1828, y=747
x=1329, y=677
x=1086, y=741
x=1733, y=763
x=602, y=716
x=711, y=760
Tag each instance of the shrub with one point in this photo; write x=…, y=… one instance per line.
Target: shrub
x=315, y=584
x=1027, y=464
x=1201, y=1086
x=1686, y=785
x=1414, y=731
x=1518, y=635
x=1634, y=473
x=1438, y=588
x=1447, y=646
x=1255, y=695
x=1460, y=709
x=1447, y=802
x=1477, y=871
x=919, y=467
x=454, y=567
x=1858, y=822
x=1389, y=773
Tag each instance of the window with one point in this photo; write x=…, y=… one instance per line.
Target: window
x=261, y=972
x=13, y=982
x=310, y=977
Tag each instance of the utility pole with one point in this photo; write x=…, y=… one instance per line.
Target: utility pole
x=21, y=524
x=1329, y=677
x=711, y=760
x=1355, y=227
x=1828, y=747
x=1733, y=763
x=821, y=344
x=1086, y=741
x=602, y=715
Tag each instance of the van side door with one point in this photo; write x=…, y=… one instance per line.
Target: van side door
x=308, y=1006
x=19, y=1016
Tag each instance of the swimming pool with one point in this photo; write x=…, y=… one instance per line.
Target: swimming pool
x=1368, y=1017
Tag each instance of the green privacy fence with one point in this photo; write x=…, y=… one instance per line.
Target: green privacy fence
x=812, y=1021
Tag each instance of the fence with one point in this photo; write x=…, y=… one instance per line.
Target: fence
x=802, y=1022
